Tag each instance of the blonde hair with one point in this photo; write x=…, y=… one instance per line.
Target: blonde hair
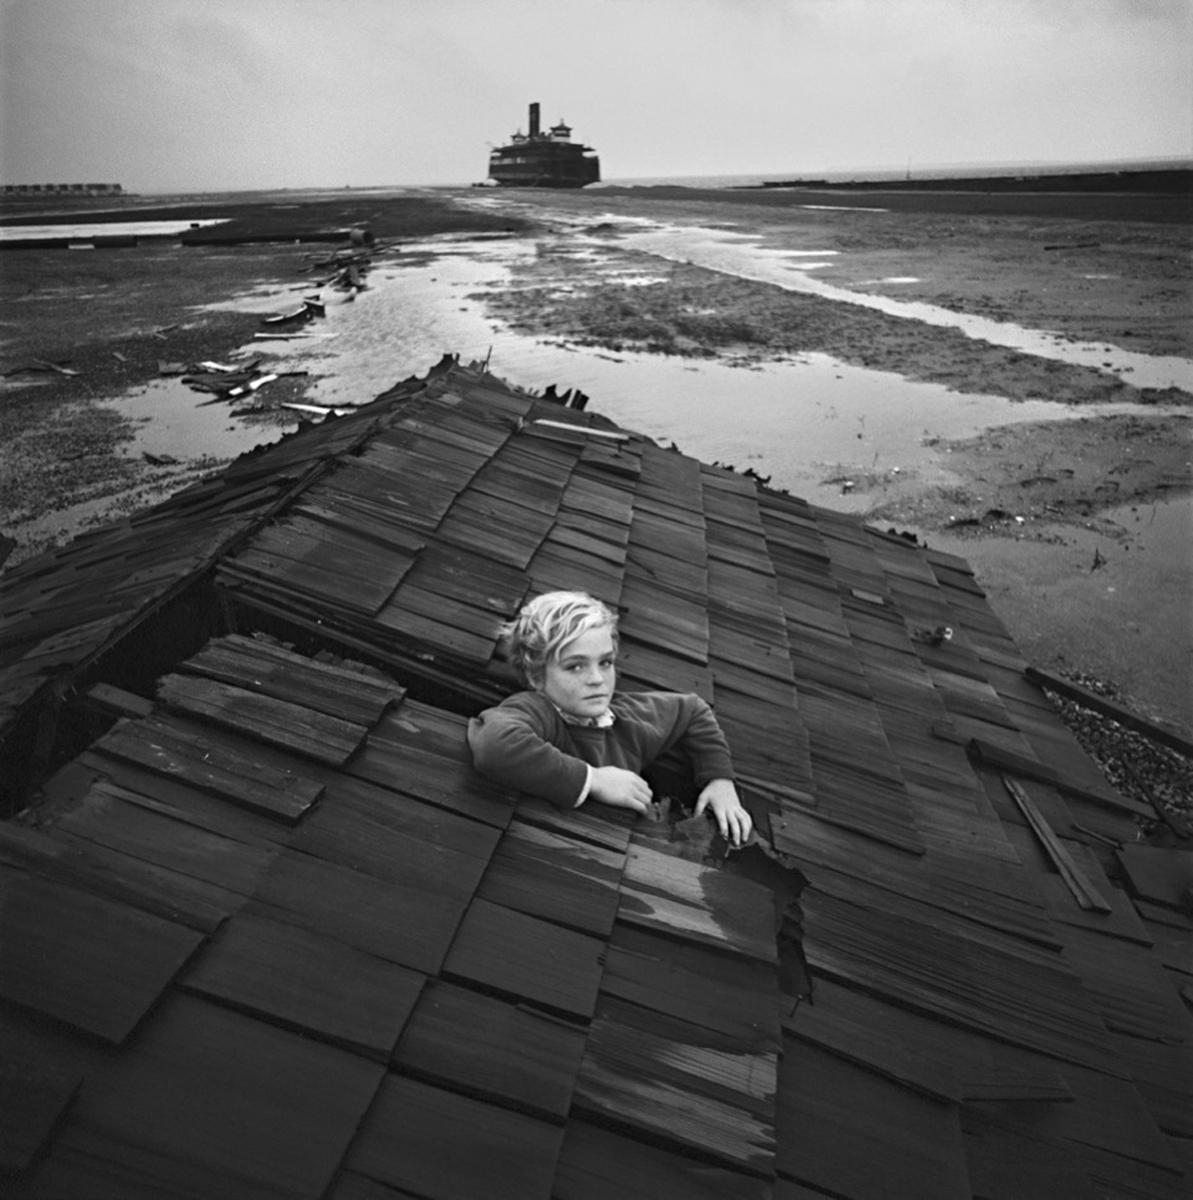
x=546, y=624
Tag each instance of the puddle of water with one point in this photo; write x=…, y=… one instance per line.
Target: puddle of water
x=172, y=420
x=844, y=207
x=1160, y=527
x=741, y=254
x=10, y=233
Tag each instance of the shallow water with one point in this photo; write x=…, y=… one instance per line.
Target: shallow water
x=173, y=420
x=86, y=229
x=745, y=255
x=808, y=423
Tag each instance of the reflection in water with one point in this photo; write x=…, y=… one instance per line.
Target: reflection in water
x=801, y=422
x=741, y=254
x=171, y=419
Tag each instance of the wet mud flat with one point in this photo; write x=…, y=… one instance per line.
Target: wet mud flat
x=79, y=328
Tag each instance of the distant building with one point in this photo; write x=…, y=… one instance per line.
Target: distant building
x=58, y=189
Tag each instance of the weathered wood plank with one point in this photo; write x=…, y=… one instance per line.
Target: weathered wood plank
x=117, y=817
x=213, y=764
x=598, y=1163
x=702, y=904
x=491, y=1049
x=111, y=874
x=1163, y=876
x=425, y=1141
x=417, y=752
x=94, y=963
x=216, y=1103
x=308, y=981
x=274, y=671
x=355, y=838
x=730, y=995
x=276, y=722
x=549, y=875
x=409, y=926
x=884, y=1038
x=33, y=1097
x=862, y=1135
x=1078, y=882
x=527, y=958
x=1039, y=1005
x=688, y=1086
x=596, y=826
x=1090, y=699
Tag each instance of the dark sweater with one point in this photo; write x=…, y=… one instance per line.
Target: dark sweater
x=525, y=743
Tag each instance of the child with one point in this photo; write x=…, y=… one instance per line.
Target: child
x=572, y=738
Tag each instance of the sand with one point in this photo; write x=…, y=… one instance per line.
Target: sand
x=1072, y=526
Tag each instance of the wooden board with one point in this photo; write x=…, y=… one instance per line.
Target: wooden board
x=849, y=1132
x=556, y=567
x=94, y=963
x=597, y=1163
x=407, y=926
x=550, y=875
x=527, y=959
x=264, y=667
x=694, y=903
x=1007, y=996
x=115, y=817
x=460, y=575
x=294, y=727
x=360, y=810
x=437, y=1144
x=307, y=981
x=596, y=825
x=354, y=838
x=1162, y=876
x=885, y=1039
x=407, y=753
x=488, y=1048
x=360, y=515
x=33, y=1098
x=687, y=1086
x=215, y=1103
x=733, y=996
x=350, y=572
x=100, y=871
x=215, y=764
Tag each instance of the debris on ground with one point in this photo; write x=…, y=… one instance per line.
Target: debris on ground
x=1138, y=766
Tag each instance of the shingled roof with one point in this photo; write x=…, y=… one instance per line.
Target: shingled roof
x=265, y=933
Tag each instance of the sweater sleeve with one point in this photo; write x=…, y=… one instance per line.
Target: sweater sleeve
x=705, y=743
x=512, y=745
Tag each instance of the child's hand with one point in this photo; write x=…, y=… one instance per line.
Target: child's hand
x=732, y=820
x=621, y=788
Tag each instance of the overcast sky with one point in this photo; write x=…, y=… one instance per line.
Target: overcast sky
x=168, y=95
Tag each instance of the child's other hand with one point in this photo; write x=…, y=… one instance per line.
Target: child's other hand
x=732, y=819
x=621, y=788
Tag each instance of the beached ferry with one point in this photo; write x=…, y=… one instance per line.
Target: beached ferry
x=537, y=159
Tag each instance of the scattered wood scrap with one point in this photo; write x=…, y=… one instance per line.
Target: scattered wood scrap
x=37, y=365
x=1164, y=734
x=1084, y=892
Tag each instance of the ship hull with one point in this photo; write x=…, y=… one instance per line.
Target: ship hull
x=535, y=166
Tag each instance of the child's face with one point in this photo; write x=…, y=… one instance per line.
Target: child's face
x=579, y=680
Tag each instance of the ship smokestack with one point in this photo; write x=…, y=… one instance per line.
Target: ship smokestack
x=534, y=120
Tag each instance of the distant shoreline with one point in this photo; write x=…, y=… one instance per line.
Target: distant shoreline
x=1176, y=181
